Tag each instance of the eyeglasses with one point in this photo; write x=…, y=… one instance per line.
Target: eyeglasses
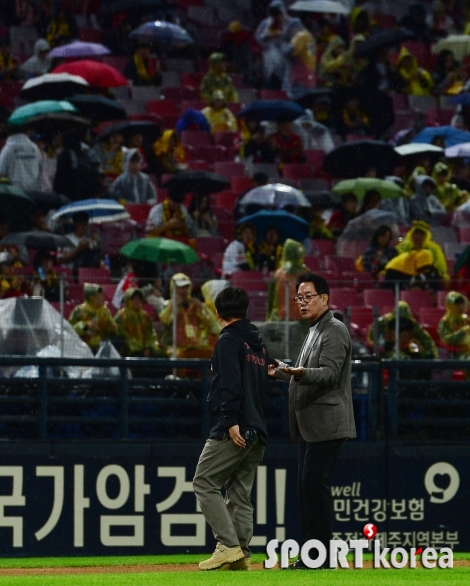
x=299, y=299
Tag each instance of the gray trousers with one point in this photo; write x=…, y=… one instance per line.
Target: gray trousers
x=223, y=464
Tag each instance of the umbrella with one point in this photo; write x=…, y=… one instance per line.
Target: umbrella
x=323, y=199
x=36, y=239
x=49, y=124
x=364, y=226
x=79, y=49
x=289, y=225
x=149, y=130
x=111, y=7
x=98, y=210
x=360, y=186
x=275, y=194
x=451, y=135
x=459, y=150
x=98, y=108
x=24, y=114
x=95, y=73
x=160, y=250
x=462, y=99
x=165, y=33
x=306, y=97
x=382, y=40
x=57, y=86
x=197, y=182
x=353, y=159
x=14, y=202
x=48, y=200
x=272, y=110
x=321, y=6
x=458, y=44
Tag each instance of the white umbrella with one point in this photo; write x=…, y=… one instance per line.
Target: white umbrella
x=458, y=150
x=276, y=194
x=321, y=6
x=458, y=44
x=415, y=148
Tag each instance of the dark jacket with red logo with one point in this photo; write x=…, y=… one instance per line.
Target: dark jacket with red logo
x=240, y=374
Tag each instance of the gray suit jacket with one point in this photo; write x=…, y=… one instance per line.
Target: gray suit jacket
x=320, y=402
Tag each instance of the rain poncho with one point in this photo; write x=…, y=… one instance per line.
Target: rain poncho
x=169, y=157
x=215, y=80
x=21, y=162
x=336, y=69
x=414, y=340
x=133, y=187
x=292, y=265
x=221, y=120
x=454, y=327
x=111, y=160
x=196, y=325
x=426, y=207
x=302, y=62
x=314, y=135
x=88, y=312
x=439, y=259
x=418, y=81
x=35, y=65
x=448, y=194
x=136, y=327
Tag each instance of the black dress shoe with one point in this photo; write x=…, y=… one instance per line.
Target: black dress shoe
x=299, y=565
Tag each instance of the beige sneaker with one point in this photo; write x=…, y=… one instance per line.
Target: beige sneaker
x=222, y=555
x=243, y=564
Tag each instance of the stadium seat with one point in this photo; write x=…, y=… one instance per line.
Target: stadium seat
x=297, y=171
x=429, y=318
x=360, y=319
x=225, y=199
x=322, y=247
x=225, y=139
x=196, y=138
x=68, y=308
x=192, y=80
x=339, y=263
x=257, y=308
x=239, y=184
x=229, y=169
x=313, y=263
x=453, y=249
x=139, y=211
x=198, y=165
x=115, y=236
x=441, y=299
x=92, y=275
x=341, y=298
x=359, y=280
x=464, y=234
x=249, y=280
x=90, y=35
x=378, y=297
x=119, y=62
x=273, y=95
x=316, y=184
x=314, y=158
x=210, y=245
x=439, y=117
x=179, y=93
x=75, y=294
x=167, y=109
x=417, y=299
x=108, y=290
x=443, y=234
x=210, y=153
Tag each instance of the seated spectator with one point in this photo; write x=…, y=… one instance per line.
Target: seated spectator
x=220, y=118
x=192, y=120
x=336, y=64
x=133, y=186
x=379, y=73
x=418, y=81
x=440, y=24
x=21, y=161
x=135, y=326
x=287, y=144
x=379, y=253
x=291, y=265
x=196, y=326
x=318, y=230
x=154, y=295
x=62, y=28
x=109, y=153
x=203, y=217
x=6, y=270
x=136, y=141
x=170, y=218
x=447, y=193
x=354, y=120
x=259, y=148
x=400, y=206
x=347, y=211
x=424, y=205
x=461, y=174
x=454, y=327
x=359, y=21
x=170, y=155
x=372, y=201
x=12, y=283
x=241, y=254
x=313, y=135
x=87, y=251
x=8, y=64
x=270, y=250
x=217, y=79
x=45, y=275
x=250, y=127
x=142, y=68
x=446, y=75
x=39, y=63
x=415, y=342
x=92, y=320
x=462, y=271
x=18, y=285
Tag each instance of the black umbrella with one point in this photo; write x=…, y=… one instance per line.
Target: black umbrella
x=36, y=239
x=306, y=98
x=52, y=86
x=150, y=131
x=98, y=108
x=382, y=40
x=272, y=110
x=323, y=199
x=14, y=202
x=353, y=159
x=197, y=182
x=111, y=7
x=48, y=200
x=50, y=124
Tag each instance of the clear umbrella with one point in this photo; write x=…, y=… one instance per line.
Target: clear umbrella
x=321, y=6
x=275, y=195
x=364, y=226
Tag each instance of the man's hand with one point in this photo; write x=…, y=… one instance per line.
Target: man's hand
x=292, y=370
x=236, y=438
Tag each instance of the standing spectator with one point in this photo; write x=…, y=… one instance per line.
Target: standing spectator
x=241, y=253
x=424, y=205
x=287, y=144
x=62, y=28
x=8, y=64
x=142, y=68
x=418, y=81
x=171, y=218
x=220, y=118
x=48, y=164
x=272, y=34
x=302, y=63
x=133, y=186
x=21, y=161
x=202, y=215
x=454, y=327
x=217, y=79
x=346, y=212
x=380, y=251
x=39, y=63
x=359, y=21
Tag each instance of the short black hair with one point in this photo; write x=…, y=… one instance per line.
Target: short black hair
x=320, y=284
x=232, y=303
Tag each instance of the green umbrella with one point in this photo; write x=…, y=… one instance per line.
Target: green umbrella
x=387, y=189
x=160, y=250
x=14, y=202
x=24, y=113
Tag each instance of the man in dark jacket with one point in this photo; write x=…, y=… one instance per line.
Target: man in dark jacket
x=238, y=436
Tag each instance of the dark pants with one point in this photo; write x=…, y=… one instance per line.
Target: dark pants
x=317, y=461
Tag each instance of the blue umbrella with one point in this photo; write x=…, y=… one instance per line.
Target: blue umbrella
x=450, y=135
x=289, y=225
x=98, y=210
x=162, y=32
x=272, y=110
x=463, y=99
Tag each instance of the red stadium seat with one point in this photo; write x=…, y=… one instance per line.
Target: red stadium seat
x=313, y=263
x=297, y=171
x=91, y=275
x=257, y=307
x=108, y=290
x=314, y=158
x=378, y=297
x=417, y=299
x=139, y=211
x=210, y=245
x=239, y=183
x=341, y=298
x=210, y=153
x=322, y=247
x=249, y=280
x=225, y=199
x=196, y=138
x=192, y=79
x=339, y=263
x=273, y=95
x=358, y=280
x=429, y=318
x=179, y=93
x=225, y=139
x=229, y=169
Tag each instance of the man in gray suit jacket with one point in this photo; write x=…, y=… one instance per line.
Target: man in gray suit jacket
x=321, y=414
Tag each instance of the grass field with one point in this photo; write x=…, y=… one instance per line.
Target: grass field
x=109, y=571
